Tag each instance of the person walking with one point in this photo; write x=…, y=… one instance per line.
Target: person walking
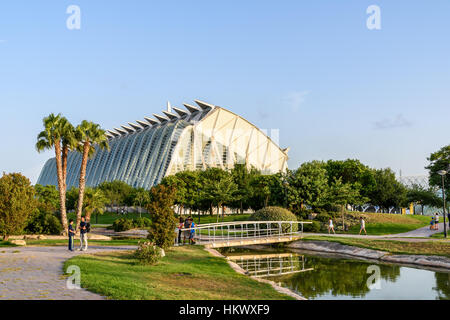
x=432, y=223
x=186, y=232
x=180, y=226
x=71, y=231
x=436, y=221
x=330, y=226
x=192, y=232
x=448, y=217
x=83, y=235
x=363, y=225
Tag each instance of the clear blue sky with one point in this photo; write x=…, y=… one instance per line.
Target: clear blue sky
x=309, y=68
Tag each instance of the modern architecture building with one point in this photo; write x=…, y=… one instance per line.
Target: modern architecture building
x=197, y=137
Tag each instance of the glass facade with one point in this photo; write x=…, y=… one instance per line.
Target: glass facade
x=196, y=138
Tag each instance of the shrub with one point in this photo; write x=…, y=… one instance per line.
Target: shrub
x=148, y=253
x=276, y=214
x=312, y=227
x=44, y=223
x=164, y=222
x=142, y=223
x=123, y=224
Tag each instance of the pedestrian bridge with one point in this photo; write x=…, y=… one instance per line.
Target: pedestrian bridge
x=242, y=233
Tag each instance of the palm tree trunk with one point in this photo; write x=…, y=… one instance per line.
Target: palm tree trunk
x=82, y=183
x=61, y=188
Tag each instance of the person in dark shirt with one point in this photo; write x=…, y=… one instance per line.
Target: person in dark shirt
x=83, y=235
x=71, y=234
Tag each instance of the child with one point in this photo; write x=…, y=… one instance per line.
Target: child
x=432, y=223
x=71, y=234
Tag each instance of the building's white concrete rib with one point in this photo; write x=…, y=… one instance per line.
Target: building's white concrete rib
x=191, y=108
x=135, y=126
x=122, y=132
x=153, y=122
x=160, y=118
x=115, y=134
x=170, y=115
x=204, y=105
x=142, y=123
x=128, y=129
x=180, y=111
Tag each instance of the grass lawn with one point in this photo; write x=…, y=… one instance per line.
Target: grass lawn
x=6, y=244
x=440, y=235
x=441, y=248
x=187, y=272
x=385, y=223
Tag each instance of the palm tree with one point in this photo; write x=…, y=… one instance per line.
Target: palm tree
x=90, y=137
x=69, y=142
x=94, y=202
x=141, y=198
x=50, y=138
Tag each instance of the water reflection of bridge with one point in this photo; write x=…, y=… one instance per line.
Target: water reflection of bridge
x=270, y=265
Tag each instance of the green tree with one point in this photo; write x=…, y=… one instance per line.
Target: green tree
x=342, y=194
x=439, y=160
x=90, y=138
x=221, y=192
x=308, y=185
x=388, y=193
x=353, y=172
x=17, y=203
x=55, y=132
x=162, y=230
x=48, y=198
x=141, y=198
x=424, y=197
x=117, y=192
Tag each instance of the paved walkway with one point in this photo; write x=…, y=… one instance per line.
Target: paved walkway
x=36, y=273
x=417, y=235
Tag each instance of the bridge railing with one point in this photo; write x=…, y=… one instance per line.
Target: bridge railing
x=242, y=230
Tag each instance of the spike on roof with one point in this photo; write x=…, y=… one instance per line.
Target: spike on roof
x=122, y=132
x=153, y=122
x=142, y=123
x=180, y=112
x=113, y=133
x=130, y=130
x=135, y=126
x=204, y=105
x=160, y=118
x=170, y=115
x=191, y=108
x=169, y=107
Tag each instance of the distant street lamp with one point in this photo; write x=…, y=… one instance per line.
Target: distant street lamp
x=442, y=173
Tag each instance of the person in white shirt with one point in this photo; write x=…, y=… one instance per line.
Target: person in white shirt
x=363, y=225
x=330, y=226
x=436, y=222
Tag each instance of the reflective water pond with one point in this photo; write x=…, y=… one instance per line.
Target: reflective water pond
x=318, y=276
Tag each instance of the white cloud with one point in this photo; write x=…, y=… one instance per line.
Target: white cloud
x=397, y=122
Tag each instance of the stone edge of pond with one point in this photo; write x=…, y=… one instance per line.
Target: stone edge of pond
x=334, y=247
x=238, y=269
